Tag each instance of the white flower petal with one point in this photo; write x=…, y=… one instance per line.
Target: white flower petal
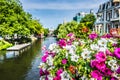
x=102, y=42
x=112, y=62
x=49, y=60
x=65, y=76
x=114, y=67
x=94, y=47
x=86, y=54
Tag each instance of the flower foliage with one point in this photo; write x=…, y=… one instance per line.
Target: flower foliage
x=71, y=58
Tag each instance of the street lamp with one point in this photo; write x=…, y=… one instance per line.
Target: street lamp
x=119, y=17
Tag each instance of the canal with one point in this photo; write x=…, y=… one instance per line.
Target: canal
x=23, y=66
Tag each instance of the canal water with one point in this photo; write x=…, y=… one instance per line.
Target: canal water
x=23, y=66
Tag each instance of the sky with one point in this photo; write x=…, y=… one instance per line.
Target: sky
x=54, y=12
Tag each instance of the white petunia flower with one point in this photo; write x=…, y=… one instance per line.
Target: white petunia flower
x=114, y=67
x=43, y=66
x=102, y=42
x=116, y=76
x=93, y=79
x=84, y=78
x=73, y=47
x=67, y=47
x=51, y=68
x=49, y=60
x=70, y=48
x=56, y=50
x=71, y=51
x=76, y=43
x=103, y=49
x=42, y=78
x=66, y=55
x=52, y=46
x=113, y=41
x=50, y=77
x=112, y=62
x=94, y=47
x=82, y=42
x=65, y=76
x=86, y=54
x=85, y=49
x=74, y=58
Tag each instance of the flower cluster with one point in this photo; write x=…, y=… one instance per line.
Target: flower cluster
x=94, y=58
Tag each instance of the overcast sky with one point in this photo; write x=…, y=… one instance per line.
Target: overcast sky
x=53, y=12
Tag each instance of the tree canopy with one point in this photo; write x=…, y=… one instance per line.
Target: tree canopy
x=80, y=30
x=14, y=20
x=89, y=20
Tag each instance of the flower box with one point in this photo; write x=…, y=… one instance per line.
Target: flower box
x=71, y=58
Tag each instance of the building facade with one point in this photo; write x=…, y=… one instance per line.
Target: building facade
x=108, y=16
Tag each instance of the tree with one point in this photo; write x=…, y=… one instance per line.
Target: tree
x=80, y=30
x=14, y=20
x=46, y=31
x=89, y=20
x=70, y=27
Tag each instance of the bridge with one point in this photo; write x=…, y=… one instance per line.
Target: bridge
x=51, y=32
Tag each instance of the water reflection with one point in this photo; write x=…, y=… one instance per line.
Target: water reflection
x=12, y=54
x=22, y=66
x=1, y=57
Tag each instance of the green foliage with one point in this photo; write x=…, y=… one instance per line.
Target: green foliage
x=89, y=20
x=46, y=31
x=64, y=29
x=72, y=27
x=56, y=31
x=14, y=20
x=81, y=30
x=4, y=44
x=119, y=42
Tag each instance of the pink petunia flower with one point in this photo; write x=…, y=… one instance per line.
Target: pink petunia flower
x=69, y=42
x=64, y=61
x=46, y=52
x=113, y=78
x=59, y=72
x=107, y=72
x=70, y=35
x=114, y=44
x=44, y=48
x=41, y=72
x=44, y=58
x=118, y=70
x=93, y=63
x=100, y=65
x=106, y=36
x=100, y=56
x=117, y=53
x=62, y=43
x=96, y=74
x=57, y=78
x=93, y=36
x=109, y=53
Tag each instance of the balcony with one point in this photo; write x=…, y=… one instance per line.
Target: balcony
x=114, y=19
